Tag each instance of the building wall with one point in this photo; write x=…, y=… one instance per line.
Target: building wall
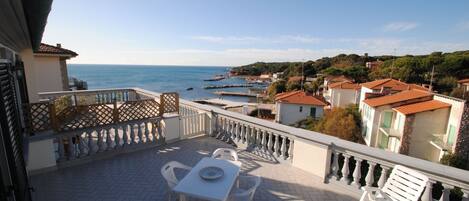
x=455, y=115
x=30, y=71
x=343, y=97
x=371, y=123
x=425, y=125
x=363, y=91
x=48, y=74
x=290, y=113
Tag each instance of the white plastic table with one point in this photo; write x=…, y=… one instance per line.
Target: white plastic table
x=218, y=190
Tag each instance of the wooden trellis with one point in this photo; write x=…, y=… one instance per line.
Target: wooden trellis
x=37, y=116
x=169, y=102
x=135, y=110
x=83, y=116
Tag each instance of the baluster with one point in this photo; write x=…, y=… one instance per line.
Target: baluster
x=125, y=138
x=283, y=148
x=253, y=136
x=243, y=134
x=61, y=149
x=383, y=176
x=446, y=192
x=276, y=145
x=81, y=145
x=221, y=128
x=139, y=133
x=116, y=138
x=465, y=195
x=147, y=132
x=370, y=176
x=161, y=138
x=357, y=173
x=335, y=165
x=345, y=170
x=108, y=139
x=270, y=143
x=230, y=131
x=428, y=194
x=248, y=133
x=236, y=131
x=132, y=134
x=263, y=142
x=153, y=131
x=100, y=141
x=290, y=149
x=71, y=148
x=90, y=143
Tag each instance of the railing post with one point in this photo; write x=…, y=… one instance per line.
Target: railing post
x=465, y=195
x=383, y=176
x=116, y=137
x=115, y=112
x=357, y=172
x=335, y=165
x=446, y=192
x=345, y=169
x=53, y=116
x=90, y=143
x=290, y=149
x=427, y=194
x=370, y=176
x=283, y=148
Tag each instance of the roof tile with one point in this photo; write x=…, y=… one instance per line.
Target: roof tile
x=397, y=97
x=421, y=107
x=299, y=97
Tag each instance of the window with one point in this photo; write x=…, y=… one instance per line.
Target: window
x=387, y=120
x=301, y=108
x=312, y=112
x=383, y=141
x=451, y=135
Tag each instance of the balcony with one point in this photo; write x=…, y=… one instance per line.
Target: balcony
x=439, y=141
x=121, y=160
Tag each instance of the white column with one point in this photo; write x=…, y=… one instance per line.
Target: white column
x=357, y=173
x=345, y=170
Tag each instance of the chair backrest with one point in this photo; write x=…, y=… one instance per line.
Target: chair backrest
x=224, y=153
x=405, y=184
x=250, y=184
x=168, y=172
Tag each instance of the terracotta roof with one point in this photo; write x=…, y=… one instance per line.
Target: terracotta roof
x=397, y=97
x=338, y=78
x=422, y=107
x=393, y=84
x=299, y=97
x=344, y=85
x=464, y=81
x=295, y=78
x=56, y=50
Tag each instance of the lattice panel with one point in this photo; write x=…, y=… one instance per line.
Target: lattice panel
x=61, y=103
x=84, y=116
x=135, y=110
x=170, y=102
x=37, y=115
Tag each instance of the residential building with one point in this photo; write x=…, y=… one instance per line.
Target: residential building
x=464, y=83
x=374, y=65
x=413, y=122
x=115, y=153
x=334, y=79
x=291, y=107
x=277, y=76
x=48, y=62
x=341, y=94
x=384, y=87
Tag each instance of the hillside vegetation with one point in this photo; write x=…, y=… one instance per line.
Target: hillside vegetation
x=449, y=67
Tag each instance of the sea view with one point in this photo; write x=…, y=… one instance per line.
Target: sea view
x=157, y=78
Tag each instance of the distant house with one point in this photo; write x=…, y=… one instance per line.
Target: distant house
x=292, y=107
x=384, y=87
x=277, y=76
x=374, y=65
x=341, y=94
x=464, y=84
x=413, y=122
x=335, y=79
x=46, y=70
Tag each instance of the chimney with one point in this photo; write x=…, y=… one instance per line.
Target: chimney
x=59, y=45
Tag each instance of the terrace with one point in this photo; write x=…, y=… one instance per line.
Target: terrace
x=115, y=152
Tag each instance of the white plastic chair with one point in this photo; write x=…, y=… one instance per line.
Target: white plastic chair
x=226, y=154
x=246, y=189
x=169, y=175
x=403, y=184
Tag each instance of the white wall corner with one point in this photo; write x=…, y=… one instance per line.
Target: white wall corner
x=312, y=157
x=171, y=127
x=41, y=155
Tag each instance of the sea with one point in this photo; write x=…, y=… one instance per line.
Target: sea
x=158, y=78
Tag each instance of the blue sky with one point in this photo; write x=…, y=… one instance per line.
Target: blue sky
x=222, y=32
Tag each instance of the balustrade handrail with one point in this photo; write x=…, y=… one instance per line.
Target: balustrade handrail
x=435, y=171
x=80, y=92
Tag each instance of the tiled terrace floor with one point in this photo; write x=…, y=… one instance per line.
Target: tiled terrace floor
x=136, y=176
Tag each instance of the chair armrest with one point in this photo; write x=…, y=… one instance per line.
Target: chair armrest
x=374, y=193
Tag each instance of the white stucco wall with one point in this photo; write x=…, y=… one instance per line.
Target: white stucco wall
x=290, y=113
x=425, y=125
x=372, y=124
x=363, y=91
x=455, y=115
x=343, y=97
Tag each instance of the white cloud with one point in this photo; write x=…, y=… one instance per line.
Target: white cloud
x=263, y=40
x=464, y=26
x=399, y=26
